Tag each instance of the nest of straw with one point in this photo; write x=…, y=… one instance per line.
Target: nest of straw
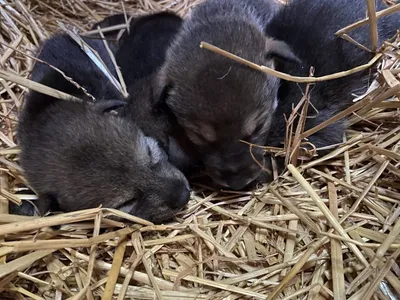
x=327, y=228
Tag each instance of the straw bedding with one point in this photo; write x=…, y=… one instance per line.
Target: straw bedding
x=328, y=228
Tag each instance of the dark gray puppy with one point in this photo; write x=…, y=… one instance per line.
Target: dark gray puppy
x=217, y=101
x=78, y=156
x=309, y=27
x=141, y=53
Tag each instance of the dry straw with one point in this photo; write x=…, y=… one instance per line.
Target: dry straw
x=327, y=228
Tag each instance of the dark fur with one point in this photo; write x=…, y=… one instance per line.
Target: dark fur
x=63, y=53
x=308, y=27
x=217, y=101
x=77, y=156
x=142, y=52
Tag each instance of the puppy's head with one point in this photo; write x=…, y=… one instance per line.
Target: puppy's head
x=78, y=156
x=157, y=188
x=135, y=171
x=220, y=102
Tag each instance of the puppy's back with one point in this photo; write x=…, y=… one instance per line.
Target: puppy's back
x=66, y=55
x=309, y=28
x=257, y=11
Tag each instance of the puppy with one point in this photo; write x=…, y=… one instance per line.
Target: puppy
x=77, y=155
x=309, y=27
x=217, y=101
x=141, y=53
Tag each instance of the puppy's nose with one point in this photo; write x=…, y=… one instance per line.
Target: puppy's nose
x=180, y=199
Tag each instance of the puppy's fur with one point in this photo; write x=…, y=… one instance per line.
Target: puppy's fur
x=141, y=53
x=63, y=53
x=217, y=101
x=259, y=12
x=309, y=27
x=78, y=156
x=143, y=48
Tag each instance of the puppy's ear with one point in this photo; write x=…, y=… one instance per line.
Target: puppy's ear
x=106, y=106
x=279, y=50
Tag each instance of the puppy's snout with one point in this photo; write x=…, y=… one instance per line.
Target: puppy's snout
x=180, y=197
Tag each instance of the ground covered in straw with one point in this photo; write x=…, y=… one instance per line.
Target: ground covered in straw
x=327, y=228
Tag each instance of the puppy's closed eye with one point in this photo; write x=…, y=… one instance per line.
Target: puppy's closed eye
x=153, y=151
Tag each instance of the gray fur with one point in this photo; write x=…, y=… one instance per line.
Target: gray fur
x=258, y=12
x=77, y=156
x=217, y=101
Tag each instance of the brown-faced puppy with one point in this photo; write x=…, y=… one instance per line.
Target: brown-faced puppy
x=141, y=53
x=309, y=27
x=76, y=155
x=217, y=101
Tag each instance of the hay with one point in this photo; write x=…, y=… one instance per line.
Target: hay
x=327, y=228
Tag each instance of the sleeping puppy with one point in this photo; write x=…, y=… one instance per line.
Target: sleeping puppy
x=77, y=155
x=217, y=101
x=309, y=27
